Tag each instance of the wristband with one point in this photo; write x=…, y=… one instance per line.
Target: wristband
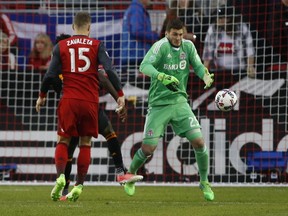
x=42, y=94
x=120, y=93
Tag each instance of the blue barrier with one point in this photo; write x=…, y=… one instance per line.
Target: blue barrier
x=265, y=161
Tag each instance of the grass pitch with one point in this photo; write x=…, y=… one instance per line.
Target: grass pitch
x=148, y=200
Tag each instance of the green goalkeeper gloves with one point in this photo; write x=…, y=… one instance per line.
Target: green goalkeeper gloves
x=169, y=81
x=208, y=79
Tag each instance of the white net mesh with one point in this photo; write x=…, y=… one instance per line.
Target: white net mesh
x=235, y=140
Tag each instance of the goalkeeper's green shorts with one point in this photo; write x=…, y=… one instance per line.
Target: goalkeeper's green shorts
x=179, y=115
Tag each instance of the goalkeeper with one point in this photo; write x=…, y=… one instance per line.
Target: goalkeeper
x=167, y=63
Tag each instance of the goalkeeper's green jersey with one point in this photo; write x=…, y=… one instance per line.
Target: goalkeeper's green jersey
x=163, y=57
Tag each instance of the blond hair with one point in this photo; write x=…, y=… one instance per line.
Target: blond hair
x=82, y=19
x=48, y=46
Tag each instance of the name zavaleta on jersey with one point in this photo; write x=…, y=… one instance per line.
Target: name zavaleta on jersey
x=79, y=41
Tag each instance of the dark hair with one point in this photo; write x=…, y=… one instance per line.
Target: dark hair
x=174, y=24
x=62, y=37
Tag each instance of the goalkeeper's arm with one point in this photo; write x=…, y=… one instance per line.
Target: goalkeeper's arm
x=169, y=81
x=203, y=73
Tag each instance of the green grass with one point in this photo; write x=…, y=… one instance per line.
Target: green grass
x=148, y=200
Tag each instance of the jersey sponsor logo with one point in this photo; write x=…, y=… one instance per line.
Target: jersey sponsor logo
x=227, y=48
x=79, y=41
x=171, y=66
x=182, y=64
x=169, y=56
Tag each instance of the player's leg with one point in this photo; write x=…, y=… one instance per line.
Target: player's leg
x=83, y=162
x=87, y=126
x=71, y=148
x=106, y=130
x=186, y=125
x=61, y=156
x=156, y=120
x=66, y=119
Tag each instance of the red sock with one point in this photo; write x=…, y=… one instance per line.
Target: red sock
x=61, y=157
x=83, y=163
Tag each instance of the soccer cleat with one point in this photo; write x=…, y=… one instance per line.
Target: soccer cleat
x=129, y=188
x=74, y=194
x=57, y=190
x=207, y=191
x=128, y=178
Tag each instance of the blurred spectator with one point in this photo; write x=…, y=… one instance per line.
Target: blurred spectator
x=277, y=26
x=192, y=16
x=8, y=60
x=137, y=38
x=172, y=12
x=229, y=44
x=40, y=54
x=7, y=27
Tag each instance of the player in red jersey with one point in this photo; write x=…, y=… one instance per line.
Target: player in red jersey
x=77, y=58
x=105, y=127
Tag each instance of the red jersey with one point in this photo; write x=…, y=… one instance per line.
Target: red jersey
x=80, y=68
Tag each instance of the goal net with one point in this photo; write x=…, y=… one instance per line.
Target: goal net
x=247, y=144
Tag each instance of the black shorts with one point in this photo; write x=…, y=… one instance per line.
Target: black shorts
x=103, y=121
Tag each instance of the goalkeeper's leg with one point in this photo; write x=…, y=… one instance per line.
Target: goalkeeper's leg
x=202, y=158
x=139, y=159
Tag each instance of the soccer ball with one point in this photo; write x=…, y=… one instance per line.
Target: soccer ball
x=225, y=100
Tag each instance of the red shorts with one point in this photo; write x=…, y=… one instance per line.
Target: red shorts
x=77, y=118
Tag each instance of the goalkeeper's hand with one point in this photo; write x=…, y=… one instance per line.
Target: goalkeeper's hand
x=169, y=81
x=208, y=79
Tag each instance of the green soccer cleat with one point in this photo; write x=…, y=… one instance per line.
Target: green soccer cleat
x=207, y=191
x=75, y=193
x=129, y=188
x=57, y=190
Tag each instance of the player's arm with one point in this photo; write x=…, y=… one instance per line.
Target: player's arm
x=104, y=59
x=147, y=68
x=54, y=67
x=200, y=70
x=105, y=83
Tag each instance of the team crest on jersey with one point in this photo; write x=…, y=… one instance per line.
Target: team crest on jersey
x=150, y=133
x=182, y=56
